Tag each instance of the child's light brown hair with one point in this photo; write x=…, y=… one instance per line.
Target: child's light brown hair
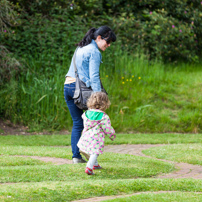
x=98, y=100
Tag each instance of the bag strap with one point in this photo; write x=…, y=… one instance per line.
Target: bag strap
x=74, y=59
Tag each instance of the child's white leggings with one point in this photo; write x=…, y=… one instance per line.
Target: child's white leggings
x=92, y=161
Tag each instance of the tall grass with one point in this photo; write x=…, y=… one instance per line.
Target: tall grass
x=153, y=97
x=145, y=96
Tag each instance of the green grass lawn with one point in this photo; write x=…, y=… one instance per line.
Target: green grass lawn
x=65, y=140
x=59, y=152
x=161, y=197
x=187, y=153
x=25, y=179
x=115, y=166
x=68, y=191
x=19, y=161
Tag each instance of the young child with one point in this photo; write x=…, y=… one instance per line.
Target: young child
x=97, y=125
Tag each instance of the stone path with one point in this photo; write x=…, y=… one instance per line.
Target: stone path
x=185, y=170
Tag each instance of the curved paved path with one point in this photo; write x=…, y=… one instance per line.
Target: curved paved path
x=185, y=170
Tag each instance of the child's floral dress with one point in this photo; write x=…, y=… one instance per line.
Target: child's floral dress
x=97, y=125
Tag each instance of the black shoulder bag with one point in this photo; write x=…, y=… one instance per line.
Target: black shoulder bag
x=82, y=92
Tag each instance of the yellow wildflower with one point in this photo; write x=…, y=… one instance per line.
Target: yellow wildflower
x=123, y=82
x=133, y=76
x=106, y=75
x=139, y=77
x=126, y=79
x=130, y=79
x=122, y=77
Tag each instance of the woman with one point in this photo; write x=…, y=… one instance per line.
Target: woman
x=88, y=59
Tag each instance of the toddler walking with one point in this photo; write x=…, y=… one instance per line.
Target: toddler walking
x=97, y=125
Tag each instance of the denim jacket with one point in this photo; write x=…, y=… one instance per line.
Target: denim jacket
x=88, y=59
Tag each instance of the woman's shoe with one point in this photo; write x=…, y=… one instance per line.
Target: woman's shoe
x=76, y=160
x=97, y=167
x=89, y=171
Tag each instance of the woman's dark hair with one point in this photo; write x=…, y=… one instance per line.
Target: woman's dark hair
x=103, y=31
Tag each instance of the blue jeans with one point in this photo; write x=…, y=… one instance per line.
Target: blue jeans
x=76, y=118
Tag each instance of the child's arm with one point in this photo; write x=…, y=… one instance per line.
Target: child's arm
x=107, y=128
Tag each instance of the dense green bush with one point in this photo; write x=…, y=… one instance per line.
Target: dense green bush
x=43, y=42
x=8, y=16
x=170, y=30
x=167, y=30
x=9, y=66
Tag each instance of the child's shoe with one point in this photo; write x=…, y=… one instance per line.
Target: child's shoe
x=89, y=171
x=97, y=167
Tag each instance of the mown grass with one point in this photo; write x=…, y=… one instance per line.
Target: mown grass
x=65, y=140
x=187, y=153
x=36, y=140
x=127, y=166
x=161, y=197
x=69, y=191
x=121, y=174
x=19, y=161
x=58, y=152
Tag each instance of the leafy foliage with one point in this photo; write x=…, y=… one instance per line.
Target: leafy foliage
x=7, y=15
x=159, y=29
x=43, y=41
x=9, y=66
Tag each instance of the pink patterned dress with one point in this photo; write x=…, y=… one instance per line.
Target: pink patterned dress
x=95, y=130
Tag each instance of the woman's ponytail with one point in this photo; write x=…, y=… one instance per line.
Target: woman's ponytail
x=103, y=31
x=87, y=38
